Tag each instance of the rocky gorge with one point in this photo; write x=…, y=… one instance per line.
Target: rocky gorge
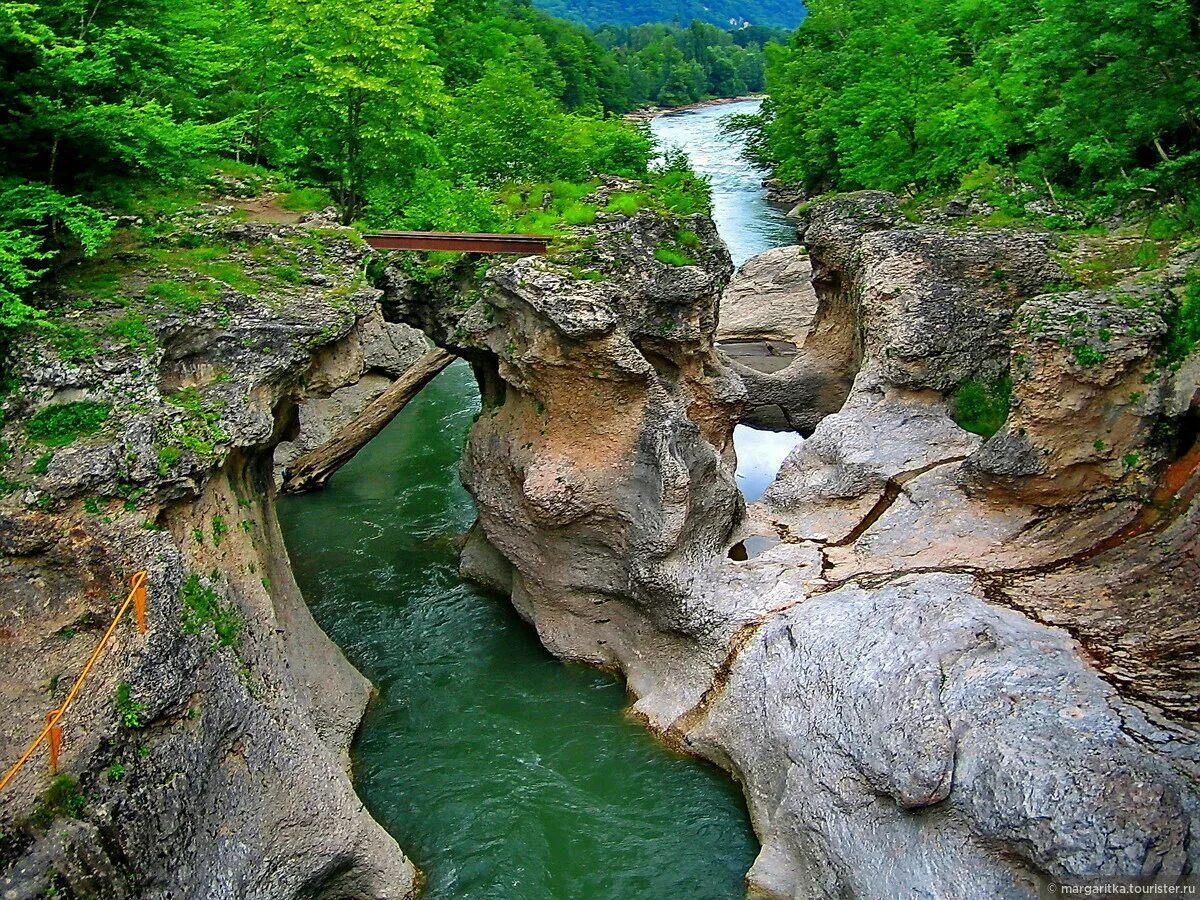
x=938, y=662
x=208, y=758
x=934, y=661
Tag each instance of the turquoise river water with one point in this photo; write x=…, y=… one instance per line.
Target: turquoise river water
x=501, y=771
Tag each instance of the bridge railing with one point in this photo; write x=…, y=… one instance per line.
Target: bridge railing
x=52, y=733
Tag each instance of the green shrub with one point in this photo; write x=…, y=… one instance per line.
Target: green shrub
x=62, y=423
x=202, y=607
x=129, y=711
x=62, y=800
x=982, y=408
x=1183, y=323
x=1087, y=356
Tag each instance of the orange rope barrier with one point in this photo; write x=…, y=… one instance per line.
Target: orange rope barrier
x=53, y=731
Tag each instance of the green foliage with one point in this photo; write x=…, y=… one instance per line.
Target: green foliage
x=1086, y=356
x=672, y=256
x=35, y=222
x=200, y=431
x=133, y=331
x=354, y=93
x=982, y=408
x=129, y=711
x=202, y=608
x=168, y=457
x=507, y=129
x=42, y=465
x=219, y=529
x=1099, y=98
x=62, y=423
x=63, y=799
x=188, y=297
x=307, y=200
x=627, y=204
x=678, y=189
x=116, y=772
x=1183, y=324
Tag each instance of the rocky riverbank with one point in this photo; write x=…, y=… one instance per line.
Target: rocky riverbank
x=944, y=663
x=208, y=758
x=941, y=658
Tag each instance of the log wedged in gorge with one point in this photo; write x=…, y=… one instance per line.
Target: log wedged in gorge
x=313, y=470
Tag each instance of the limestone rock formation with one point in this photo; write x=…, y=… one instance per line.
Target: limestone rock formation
x=767, y=313
x=227, y=777
x=600, y=463
x=382, y=351
x=939, y=670
x=769, y=299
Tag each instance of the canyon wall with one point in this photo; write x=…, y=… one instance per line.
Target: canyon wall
x=209, y=757
x=943, y=663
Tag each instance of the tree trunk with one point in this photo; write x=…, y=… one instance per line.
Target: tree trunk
x=311, y=471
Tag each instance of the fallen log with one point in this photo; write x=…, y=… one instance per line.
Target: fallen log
x=311, y=471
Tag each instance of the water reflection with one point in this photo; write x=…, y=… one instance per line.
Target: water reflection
x=759, y=456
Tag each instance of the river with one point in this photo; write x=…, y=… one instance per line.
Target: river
x=501, y=771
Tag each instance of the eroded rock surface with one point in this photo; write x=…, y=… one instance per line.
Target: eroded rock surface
x=380, y=352
x=940, y=675
x=224, y=774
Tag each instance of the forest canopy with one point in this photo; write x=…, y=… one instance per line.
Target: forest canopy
x=1098, y=99
x=723, y=13
x=409, y=113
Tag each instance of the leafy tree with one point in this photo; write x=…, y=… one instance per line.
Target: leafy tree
x=1101, y=99
x=355, y=93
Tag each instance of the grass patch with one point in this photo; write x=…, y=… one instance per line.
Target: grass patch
x=1112, y=260
x=210, y=260
x=62, y=800
x=63, y=423
x=167, y=457
x=627, y=204
x=99, y=281
x=982, y=408
x=202, y=608
x=73, y=345
x=131, y=330
x=579, y=214
x=200, y=432
x=672, y=256
x=188, y=297
x=304, y=200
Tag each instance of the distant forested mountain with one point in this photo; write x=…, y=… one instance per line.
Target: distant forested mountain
x=726, y=13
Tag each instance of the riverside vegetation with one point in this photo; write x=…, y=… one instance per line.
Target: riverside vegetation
x=405, y=114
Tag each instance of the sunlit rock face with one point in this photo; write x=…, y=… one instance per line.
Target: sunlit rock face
x=932, y=664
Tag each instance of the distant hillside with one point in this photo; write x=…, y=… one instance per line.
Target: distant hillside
x=785, y=13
